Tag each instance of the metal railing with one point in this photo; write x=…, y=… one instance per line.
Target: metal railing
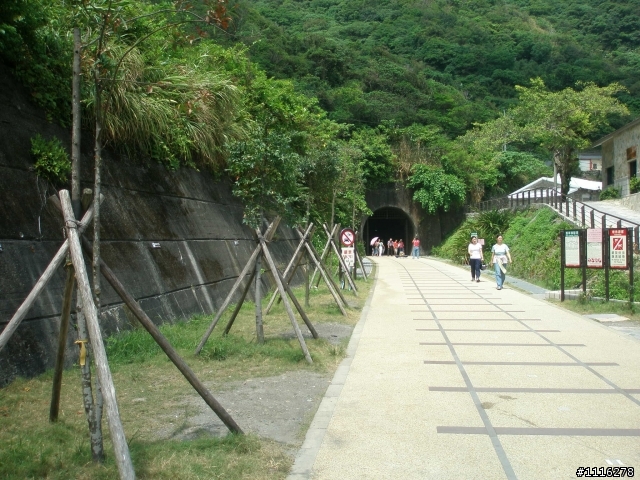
x=569, y=208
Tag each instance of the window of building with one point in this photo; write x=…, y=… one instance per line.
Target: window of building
x=610, y=180
x=633, y=169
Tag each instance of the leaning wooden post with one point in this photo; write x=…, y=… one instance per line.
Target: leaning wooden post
x=292, y=266
x=258, y=290
x=62, y=345
x=57, y=260
x=325, y=251
x=285, y=301
x=250, y=264
x=301, y=311
x=236, y=310
x=335, y=292
x=122, y=456
x=341, y=263
x=364, y=272
x=164, y=344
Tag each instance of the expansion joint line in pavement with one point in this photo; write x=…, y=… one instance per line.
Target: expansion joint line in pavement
x=557, y=346
x=495, y=441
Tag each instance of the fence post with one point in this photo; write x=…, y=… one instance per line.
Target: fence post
x=604, y=220
x=637, y=237
x=528, y=197
x=567, y=212
x=583, y=223
x=561, y=202
x=574, y=209
x=593, y=219
x=619, y=224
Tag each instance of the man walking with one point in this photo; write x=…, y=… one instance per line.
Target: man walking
x=415, y=253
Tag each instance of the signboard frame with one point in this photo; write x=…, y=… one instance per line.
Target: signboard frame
x=345, y=233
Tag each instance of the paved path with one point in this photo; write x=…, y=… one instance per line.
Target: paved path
x=449, y=379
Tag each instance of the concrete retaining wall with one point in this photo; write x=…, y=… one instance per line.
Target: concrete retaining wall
x=191, y=214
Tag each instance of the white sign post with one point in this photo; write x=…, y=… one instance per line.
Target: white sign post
x=595, y=258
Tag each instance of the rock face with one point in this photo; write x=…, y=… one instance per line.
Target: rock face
x=175, y=239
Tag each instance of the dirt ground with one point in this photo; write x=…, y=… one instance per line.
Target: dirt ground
x=279, y=408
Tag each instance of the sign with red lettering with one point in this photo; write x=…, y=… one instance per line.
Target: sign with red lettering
x=618, y=248
x=595, y=258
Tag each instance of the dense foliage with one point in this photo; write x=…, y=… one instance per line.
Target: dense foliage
x=292, y=98
x=443, y=62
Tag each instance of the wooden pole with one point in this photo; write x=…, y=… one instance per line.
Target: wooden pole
x=122, y=456
x=325, y=251
x=341, y=262
x=287, y=306
x=292, y=266
x=41, y=283
x=301, y=311
x=164, y=344
x=307, y=277
x=250, y=264
x=92, y=408
x=359, y=260
x=236, y=311
x=259, y=326
x=335, y=292
x=76, y=124
x=62, y=345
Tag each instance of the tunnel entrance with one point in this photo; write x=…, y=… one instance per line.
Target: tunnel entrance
x=386, y=223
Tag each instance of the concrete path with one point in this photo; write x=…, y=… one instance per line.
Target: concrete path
x=449, y=379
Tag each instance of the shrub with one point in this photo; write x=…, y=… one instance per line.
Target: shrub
x=52, y=161
x=634, y=185
x=609, y=193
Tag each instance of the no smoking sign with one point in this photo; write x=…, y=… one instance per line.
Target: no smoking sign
x=347, y=237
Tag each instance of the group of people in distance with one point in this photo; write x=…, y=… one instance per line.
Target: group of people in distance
x=500, y=257
x=396, y=247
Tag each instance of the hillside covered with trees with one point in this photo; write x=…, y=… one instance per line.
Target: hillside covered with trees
x=306, y=104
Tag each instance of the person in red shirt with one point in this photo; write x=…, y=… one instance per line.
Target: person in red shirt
x=415, y=253
x=401, y=248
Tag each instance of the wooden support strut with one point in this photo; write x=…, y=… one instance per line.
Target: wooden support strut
x=287, y=306
x=164, y=344
x=341, y=260
x=121, y=448
x=41, y=283
x=293, y=263
x=250, y=265
x=335, y=291
x=62, y=344
x=325, y=250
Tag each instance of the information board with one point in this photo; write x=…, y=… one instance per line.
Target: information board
x=618, y=248
x=595, y=257
x=348, y=256
x=572, y=248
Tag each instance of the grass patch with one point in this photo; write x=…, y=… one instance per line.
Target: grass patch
x=590, y=306
x=151, y=396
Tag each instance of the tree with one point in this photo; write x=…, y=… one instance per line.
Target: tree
x=435, y=189
x=559, y=122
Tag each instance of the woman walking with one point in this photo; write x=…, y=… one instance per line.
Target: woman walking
x=500, y=256
x=475, y=258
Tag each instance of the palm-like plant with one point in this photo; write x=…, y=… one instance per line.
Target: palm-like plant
x=178, y=119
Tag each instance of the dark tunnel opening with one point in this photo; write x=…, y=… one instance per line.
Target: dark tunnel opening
x=386, y=223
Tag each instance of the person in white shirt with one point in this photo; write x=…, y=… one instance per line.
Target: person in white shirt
x=500, y=256
x=475, y=258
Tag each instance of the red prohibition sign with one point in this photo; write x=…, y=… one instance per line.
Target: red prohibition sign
x=347, y=237
x=617, y=243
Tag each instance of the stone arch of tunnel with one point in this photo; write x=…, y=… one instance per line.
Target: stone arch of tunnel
x=386, y=223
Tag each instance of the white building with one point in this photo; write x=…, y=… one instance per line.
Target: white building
x=579, y=188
